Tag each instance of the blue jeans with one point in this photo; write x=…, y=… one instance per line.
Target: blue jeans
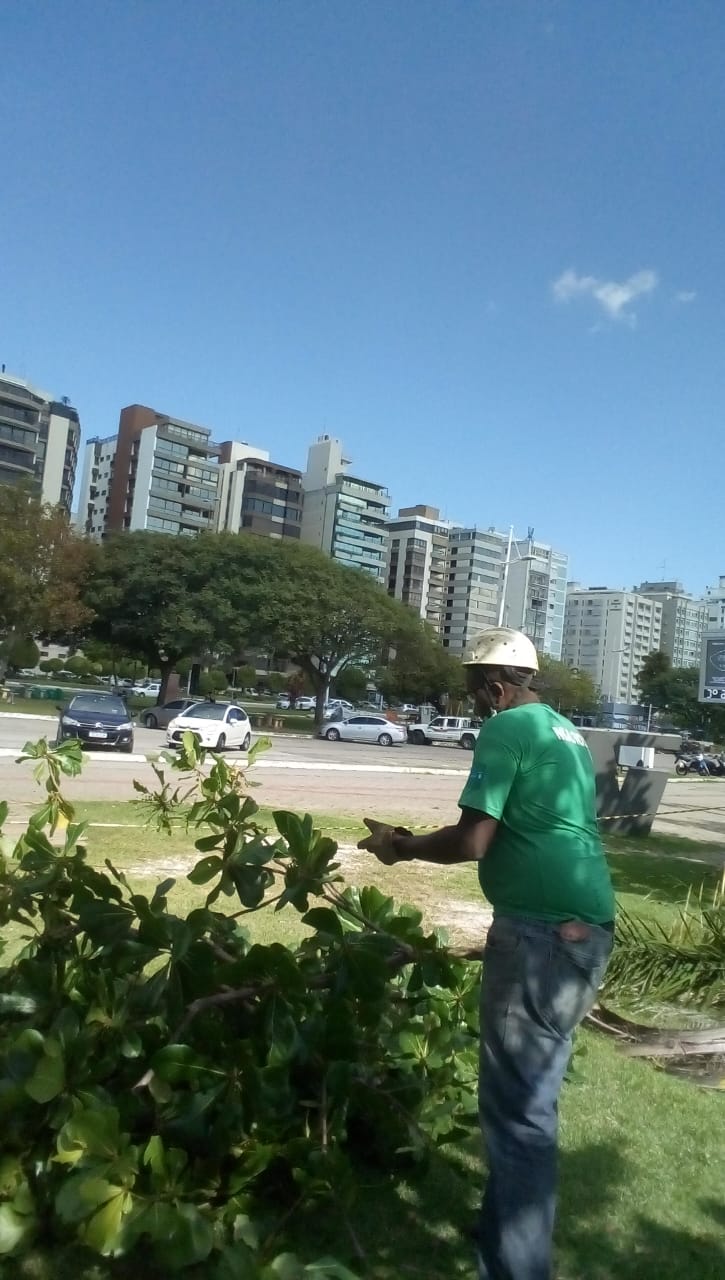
x=537, y=985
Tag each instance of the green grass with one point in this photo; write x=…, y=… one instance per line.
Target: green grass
x=642, y=1165
x=31, y=707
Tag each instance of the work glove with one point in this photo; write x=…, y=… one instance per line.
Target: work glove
x=380, y=841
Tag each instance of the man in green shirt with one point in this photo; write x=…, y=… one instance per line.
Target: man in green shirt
x=528, y=818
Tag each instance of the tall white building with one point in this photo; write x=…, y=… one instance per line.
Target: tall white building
x=535, y=594
x=715, y=605
x=95, y=486
x=475, y=577
x=417, y=565
x=609, y=634
x=342, y=514
x=39, y=440
x=683, y=621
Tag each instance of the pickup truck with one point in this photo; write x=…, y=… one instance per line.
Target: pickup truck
x=461, y=731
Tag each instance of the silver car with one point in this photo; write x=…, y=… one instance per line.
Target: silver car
x=365, y=728
x=161, y=717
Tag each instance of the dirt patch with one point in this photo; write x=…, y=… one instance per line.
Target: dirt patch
x=465, y=921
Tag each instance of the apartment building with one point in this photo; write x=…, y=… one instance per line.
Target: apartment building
x=475, y=578
x=99, y=458
x=714, y=603
x=683, y=621
x=609, y=634
x=162, y=473
x=535, y=593
x=344, y=515
x=417, y=564
x=257, y=495
x=39, y=440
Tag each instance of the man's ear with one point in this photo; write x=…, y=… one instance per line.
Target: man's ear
x=497, y=692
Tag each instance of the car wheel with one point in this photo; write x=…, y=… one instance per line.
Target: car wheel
x=385, y=740
x=221, y=742
x=467, y=742
x=150, y=721
x=333, y=735
x=247, y=742
x=127, y=748
x=418, y=737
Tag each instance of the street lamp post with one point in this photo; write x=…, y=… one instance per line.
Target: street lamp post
x=504, y=581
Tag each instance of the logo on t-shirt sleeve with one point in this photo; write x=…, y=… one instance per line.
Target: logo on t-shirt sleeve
x=569, y=735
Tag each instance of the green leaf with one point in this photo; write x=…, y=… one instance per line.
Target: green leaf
x=153, y=1156
x=189, y=1237
x=104, y=1228
x=48, y=1078
x=324, y=920
x=14, y=1228
x=206, y=868
x=177, y=1062
x=92, y=1132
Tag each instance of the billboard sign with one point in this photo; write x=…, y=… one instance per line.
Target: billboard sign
x=712, y=668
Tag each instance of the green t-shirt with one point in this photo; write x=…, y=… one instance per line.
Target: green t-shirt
x=532, y=771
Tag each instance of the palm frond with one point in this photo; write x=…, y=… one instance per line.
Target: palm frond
x=683, y=963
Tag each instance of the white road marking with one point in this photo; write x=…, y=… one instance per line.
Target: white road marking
x=118, y=757
x=333, y=767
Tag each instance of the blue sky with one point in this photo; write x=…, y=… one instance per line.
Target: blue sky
x=480, y=242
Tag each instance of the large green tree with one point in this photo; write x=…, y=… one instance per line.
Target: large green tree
x=673, y=691
x=322, y=615
x=157, y=599
x=423, y=671
x=566, y=689
x=44, y=568
x=164, y=599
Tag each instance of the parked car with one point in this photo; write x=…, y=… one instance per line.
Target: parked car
x=461, y=731
x=305, y=704
x=283, y=702
x=97, y=720
x=150, y=690
x=214, y=724
x=338, y=702
x=161, y=717
x=365, y=729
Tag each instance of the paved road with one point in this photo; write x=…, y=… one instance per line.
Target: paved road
x=417, y=784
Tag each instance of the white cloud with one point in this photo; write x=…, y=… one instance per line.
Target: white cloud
x=614, y=297
x=685, y=295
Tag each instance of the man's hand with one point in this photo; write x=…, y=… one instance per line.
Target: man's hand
x=380, y=841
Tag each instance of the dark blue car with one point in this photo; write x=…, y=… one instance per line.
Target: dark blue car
x=97, y=720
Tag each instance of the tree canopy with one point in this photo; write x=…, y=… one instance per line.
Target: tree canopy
x=673, y=691
x=566, y=689
x=44, y=568
x=166, y=599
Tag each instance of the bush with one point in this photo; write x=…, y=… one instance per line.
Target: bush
x=21, y=652
x=171, y=1090
x=79, y=665
x=52, y=666
x=214, y=681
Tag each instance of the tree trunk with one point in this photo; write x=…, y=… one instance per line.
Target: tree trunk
x=165, y=668
x=322, y=690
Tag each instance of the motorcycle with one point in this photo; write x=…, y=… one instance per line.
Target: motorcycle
x=705, y=766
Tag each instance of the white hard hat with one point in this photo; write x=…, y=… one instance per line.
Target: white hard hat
x=502, y=647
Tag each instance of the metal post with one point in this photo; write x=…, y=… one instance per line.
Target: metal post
x=505, y=579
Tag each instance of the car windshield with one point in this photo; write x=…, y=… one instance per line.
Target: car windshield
x=112, y=706
x=206, y=711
